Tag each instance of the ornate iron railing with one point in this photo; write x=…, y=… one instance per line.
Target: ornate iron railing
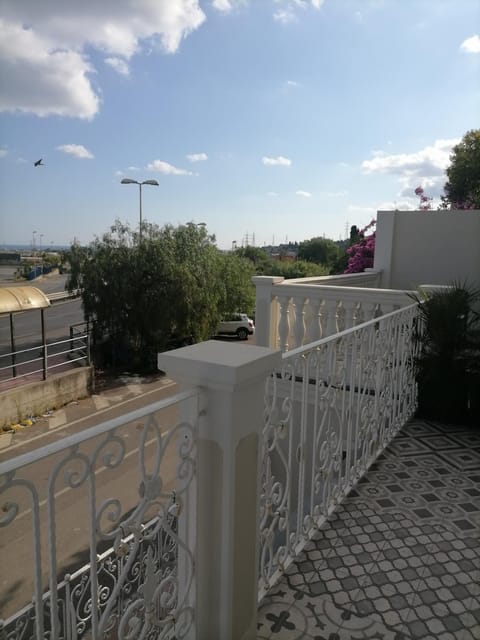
x=329, y=411
x=139, y=575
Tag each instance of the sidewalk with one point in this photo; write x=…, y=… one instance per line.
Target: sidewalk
x=112, y=397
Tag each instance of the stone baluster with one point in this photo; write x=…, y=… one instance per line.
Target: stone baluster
x=284, y=324
x=314, y=331
x=329, y=317
x=299, y=327
x=350, y=307
x=369, y=309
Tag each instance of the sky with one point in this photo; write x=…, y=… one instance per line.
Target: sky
x=267, y=120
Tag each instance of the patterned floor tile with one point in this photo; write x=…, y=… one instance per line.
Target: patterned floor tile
x=400, y=556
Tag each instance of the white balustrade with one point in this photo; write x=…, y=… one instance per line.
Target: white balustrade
x=292, y=313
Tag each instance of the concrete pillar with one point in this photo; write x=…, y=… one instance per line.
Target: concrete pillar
x=265, y=310
x=231, y=381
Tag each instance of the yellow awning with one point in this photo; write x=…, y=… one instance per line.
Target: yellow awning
x=14, y=299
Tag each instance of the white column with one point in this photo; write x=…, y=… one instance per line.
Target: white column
x=265, y=306
x=231, y=381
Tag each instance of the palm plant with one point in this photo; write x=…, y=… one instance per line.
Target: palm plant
x=447, y=365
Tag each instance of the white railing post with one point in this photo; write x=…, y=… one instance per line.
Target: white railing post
x=265, y=310
x=231, y=381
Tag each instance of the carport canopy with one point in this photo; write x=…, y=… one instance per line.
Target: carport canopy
x=13, y=299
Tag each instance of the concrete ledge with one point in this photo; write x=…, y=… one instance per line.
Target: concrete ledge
x=35, y=398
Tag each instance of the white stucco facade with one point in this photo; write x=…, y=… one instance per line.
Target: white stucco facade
x=427, y=247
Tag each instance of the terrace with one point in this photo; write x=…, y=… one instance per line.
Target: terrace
x=283, y=493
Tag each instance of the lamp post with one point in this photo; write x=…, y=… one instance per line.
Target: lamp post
x=153, y=183
x=33, y=241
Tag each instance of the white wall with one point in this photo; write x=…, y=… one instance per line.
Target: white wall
x=427, y=247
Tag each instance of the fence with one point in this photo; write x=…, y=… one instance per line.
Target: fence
x=45, y=358
x=85, y=493
x=330, y=410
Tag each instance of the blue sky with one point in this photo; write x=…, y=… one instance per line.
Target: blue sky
x=266, y=119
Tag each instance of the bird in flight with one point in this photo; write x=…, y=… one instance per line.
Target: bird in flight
x=38, y=163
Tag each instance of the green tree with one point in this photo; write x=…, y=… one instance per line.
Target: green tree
x=146, y=296
x=319, y=250
x=462, y=189
x=295, y=269
x=235, y=284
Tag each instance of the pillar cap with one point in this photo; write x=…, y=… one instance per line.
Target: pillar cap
x=219, y=363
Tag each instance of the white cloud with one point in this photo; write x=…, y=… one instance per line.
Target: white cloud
x=45, y=67
x=119, y=65
x=197, y=157
x=303, y=194
x=287, y=12
x=471, y=45
x=3, y=152
x=284, y=16
x=272, y=194
x=167, y=169
x=132, y=168
x=222, y=5
x=39, y=78
x=77, y=150
x=429, y=161
x=279, y=161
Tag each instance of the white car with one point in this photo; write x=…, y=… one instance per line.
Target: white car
x=236, y=324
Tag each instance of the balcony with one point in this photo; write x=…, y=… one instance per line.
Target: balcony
x=399, y=557
x=285, y=492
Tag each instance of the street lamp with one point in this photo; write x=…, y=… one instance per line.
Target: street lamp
x=153, y=183
x=33, y=241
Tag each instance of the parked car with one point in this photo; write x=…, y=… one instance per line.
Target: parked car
x=236, y=324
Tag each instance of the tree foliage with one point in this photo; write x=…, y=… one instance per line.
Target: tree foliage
x=319, y=250
x=264, y=265
x=463, y=186
x=148, y=295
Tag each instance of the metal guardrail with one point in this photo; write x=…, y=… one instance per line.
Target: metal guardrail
x=63, y=295
x=49, y=357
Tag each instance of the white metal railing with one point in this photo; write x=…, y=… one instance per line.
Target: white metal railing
x=329, y=411
x=110, y=536
x=292, y=313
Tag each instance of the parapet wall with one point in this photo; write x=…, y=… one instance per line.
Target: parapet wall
x=35, y=398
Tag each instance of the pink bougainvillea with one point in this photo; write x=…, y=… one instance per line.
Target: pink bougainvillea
x=361, y=254
x=425, y=201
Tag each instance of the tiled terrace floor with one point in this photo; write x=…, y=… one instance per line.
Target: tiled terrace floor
x=400, y=557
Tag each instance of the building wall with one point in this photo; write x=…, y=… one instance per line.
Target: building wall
x=427, y=247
